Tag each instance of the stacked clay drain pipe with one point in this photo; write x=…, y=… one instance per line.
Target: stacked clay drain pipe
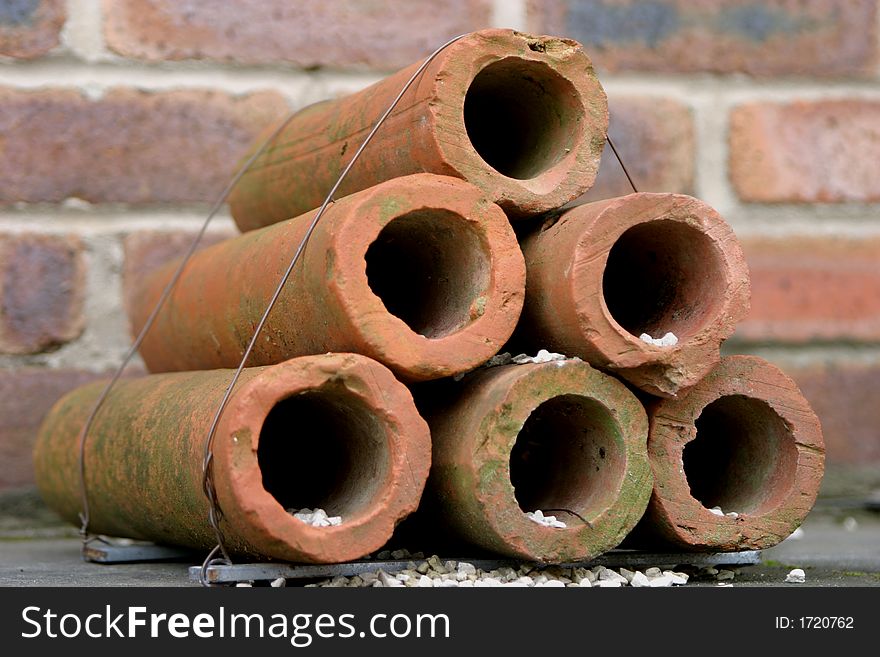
x=522, y=117
x=600, y=275
x=558, y=436
x=335, y=431
x=419, y=269
x=737, y=461
x=421, y=273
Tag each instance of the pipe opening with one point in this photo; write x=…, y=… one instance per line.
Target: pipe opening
x=568, y=455
x=323, y=448
x=663, y=276
x=521, y=117
x=431, y=269
x=743, y=458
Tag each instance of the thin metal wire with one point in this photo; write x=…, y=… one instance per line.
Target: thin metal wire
x=622, y=165
x=83, y=437
x=216, y=514
x=209, y=561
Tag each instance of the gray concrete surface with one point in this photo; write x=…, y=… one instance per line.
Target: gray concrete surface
x=833, y=551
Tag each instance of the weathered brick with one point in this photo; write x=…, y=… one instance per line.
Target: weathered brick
x=823, y=151
x=129, y=146
x=655, y=139
x=146, y=250
x=30, y=28
x=846, y=397
x=377, y=34
x=813, y=288
x=42, y=288
x=778, y=37
x=25, y=397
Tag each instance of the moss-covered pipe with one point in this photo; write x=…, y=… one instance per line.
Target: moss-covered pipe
x=335, y=431
x=560, y=437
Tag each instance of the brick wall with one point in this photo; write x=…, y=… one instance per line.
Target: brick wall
x=120, y=121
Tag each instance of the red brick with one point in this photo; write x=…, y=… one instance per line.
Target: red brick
x=812, y=288
x=25, y=397
x=377, y=34
x=146, y=250
x=822, y=151
x=780, y=37
x=42, y=288
x=30, y=28
x=129, y=146
x=655, y=139
x=846, y=397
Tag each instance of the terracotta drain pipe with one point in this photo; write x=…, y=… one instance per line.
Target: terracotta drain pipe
x=743, y=439
x=522, y=117
x=561, y=437
x=421, y=273
x=602, y=274
x=335, y=431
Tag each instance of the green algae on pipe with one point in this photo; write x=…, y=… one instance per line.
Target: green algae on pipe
x=561, y=437
x=334, y=431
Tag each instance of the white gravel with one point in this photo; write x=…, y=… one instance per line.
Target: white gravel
x=437, y=573
x=548, y=521
x=315, y=517
x=668, y=340
x=796, y=576
x=796, y=535
x=677, y=579
x=640, y=580
x=506, y=358
x=543, y=356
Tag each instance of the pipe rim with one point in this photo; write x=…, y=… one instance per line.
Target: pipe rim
x=671, y=368
x=528, y=387
x=239, y=479
x=673, y=427
x=564, y=61
x=492, y=312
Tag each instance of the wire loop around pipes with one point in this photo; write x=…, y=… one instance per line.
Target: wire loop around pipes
x=215, y=513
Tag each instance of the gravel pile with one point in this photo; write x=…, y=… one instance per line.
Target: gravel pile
x=668, y=340
x=543, y=356
x=506, y=358
x=315, y=517
x=548, y=521
x=439, y=574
